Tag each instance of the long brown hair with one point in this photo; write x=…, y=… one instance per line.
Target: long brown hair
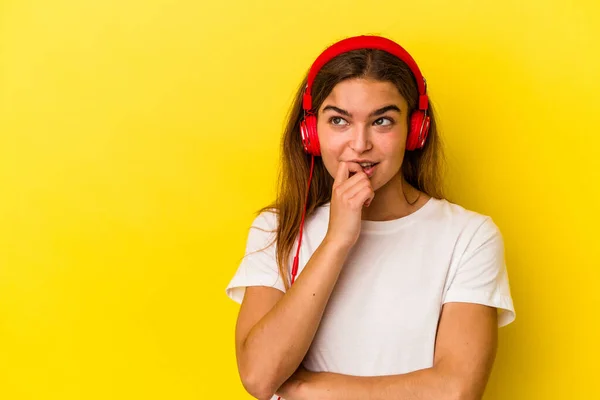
x=422, y=168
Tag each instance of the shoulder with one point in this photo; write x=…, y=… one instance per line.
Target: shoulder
x=481, y=232
x=262, y=231
x=266, y=220
x=468, y=222
x=458, y=213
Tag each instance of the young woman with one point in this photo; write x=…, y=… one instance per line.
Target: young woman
x=399, y=292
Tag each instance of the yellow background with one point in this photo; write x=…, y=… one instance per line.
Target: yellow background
x=138, y=137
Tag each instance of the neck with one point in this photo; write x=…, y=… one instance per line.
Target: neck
x=396, y=199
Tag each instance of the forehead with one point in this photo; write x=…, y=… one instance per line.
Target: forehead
x=364, y=94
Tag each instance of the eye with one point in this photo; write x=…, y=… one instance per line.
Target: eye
x=337, y=121
x=380, y=121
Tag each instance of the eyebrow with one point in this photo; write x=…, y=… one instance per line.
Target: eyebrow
x=375, y=113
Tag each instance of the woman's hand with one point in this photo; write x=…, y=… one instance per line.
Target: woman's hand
x=349, y=195
x=295, y=387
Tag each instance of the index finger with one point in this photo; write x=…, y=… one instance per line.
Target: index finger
x=342, y=173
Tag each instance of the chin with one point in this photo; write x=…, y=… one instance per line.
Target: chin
x=378, y=183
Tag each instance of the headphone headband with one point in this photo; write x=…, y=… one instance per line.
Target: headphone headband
x=365, y=42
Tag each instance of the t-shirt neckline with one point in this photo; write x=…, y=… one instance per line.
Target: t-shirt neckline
x=368, y=226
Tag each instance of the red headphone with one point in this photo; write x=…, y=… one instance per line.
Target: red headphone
x=419, y=120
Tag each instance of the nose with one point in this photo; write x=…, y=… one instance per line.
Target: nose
x=360, y=141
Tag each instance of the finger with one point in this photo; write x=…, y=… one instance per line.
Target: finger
x=353, y=168
x=342, y=174
x=355, y=187
x=370, y=200
x=359, y=196
x=369, y=197
x=362, y=197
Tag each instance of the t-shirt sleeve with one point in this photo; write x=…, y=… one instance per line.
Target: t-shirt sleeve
x=259, y=265
x=481, y=276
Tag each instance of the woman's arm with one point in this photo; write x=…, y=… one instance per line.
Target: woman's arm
x=274, y=331
x=464, y=354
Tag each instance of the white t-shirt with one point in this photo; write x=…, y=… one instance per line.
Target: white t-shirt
x=382, y=316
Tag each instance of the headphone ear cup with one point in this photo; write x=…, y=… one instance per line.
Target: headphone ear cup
x=419, y=129
x=310, y=139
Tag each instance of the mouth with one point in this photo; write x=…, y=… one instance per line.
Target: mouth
x=368, y=168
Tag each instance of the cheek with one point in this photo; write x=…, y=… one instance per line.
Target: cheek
x=392, y=146
x=330, y=158
x=331, y=153
x=331, y=143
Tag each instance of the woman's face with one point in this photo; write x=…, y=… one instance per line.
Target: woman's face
x=364, y=120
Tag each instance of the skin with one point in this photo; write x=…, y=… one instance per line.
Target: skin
x=381, y=138
x=366, y=120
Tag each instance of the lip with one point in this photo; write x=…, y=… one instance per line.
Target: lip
x=370, y=171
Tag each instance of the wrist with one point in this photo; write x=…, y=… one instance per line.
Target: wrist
x=335, y=244
x=309, y=386
x=303, y=391
x=299, y=386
